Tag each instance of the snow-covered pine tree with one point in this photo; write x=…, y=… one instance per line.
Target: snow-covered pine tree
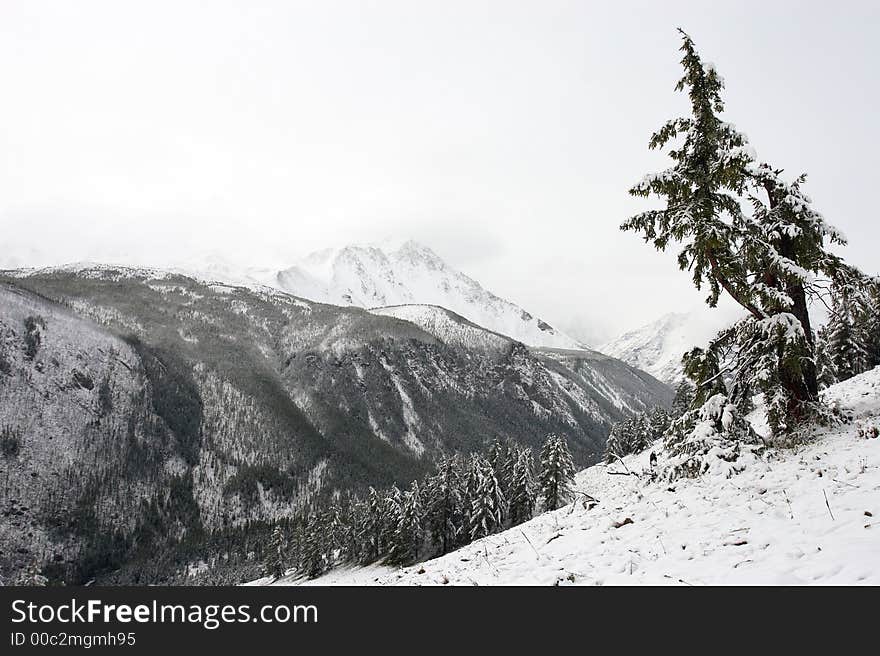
x=296, y=539
x=825, y=369
x=636, y=433
x=444, y=512
x=642, y=433
x=275, y=563
x=497, y=455
x=406, y=541
x=471, y=489
x=714, y=429
x=487, y=500
x=704, y=365
x=683, y=399
x=522, y=488
x=870, y=324
x=501, y=457
x=372, y=527
x=392, y=505
x=617, y=444
x=765, y=261
x=847, y=335
x=312, y=562
x=717, y=426
x=557, y=472
x=334, y=533
x=355, y=533
x=658, y=421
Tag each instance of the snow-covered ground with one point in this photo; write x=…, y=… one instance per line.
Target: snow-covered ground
x=806, y=516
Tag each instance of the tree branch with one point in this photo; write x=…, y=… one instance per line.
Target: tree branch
x=728, y=287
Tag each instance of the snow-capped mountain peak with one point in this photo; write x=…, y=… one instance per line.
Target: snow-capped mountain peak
x=374, y=276
x=391, y=273
x=658, y=347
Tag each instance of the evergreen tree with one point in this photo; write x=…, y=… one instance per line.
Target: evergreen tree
x=617, y=444
x=392, y=506
x=355, y=531
x=488, y=502
x=825, y=368
x=373, y=527
x=709, y=438
x=658, y=421
x=683, y=400
x=275, y=561
x=641, y=434
x=497, y=455
x=312, y=561
x=703, y=368
x=295, y=540
x=444, y=510
x=764, y=260
x=557, y=472
x=333, y=533
x=522, y=488
x=847, y=338
x=636, y=433
x=869, y=324
x=406, y=540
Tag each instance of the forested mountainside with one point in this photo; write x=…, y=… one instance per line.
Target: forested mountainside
x=802, y=516
x=150, y=422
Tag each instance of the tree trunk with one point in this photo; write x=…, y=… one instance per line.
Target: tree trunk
x=804, y=388
x=799, y=309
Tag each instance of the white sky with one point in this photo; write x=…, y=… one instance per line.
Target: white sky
x=502, y=134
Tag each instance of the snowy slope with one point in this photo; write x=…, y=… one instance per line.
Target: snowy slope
x=808, y=516
x=658, y=346
x=373, y=276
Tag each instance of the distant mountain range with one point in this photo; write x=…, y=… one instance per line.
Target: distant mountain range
x=403, y=274
x=151, y=421
x=391, y=274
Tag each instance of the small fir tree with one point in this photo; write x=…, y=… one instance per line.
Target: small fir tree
x=444, y=511
x=557, y=473
x=276, y=554
x=522, y=488
x=406, y=540
x=312, y=560
x=488, y=502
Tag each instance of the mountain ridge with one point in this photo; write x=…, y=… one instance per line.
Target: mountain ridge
x=224, y=408
x=657, y=347
x=373, y=276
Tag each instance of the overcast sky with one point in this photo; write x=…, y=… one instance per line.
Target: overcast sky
x=502, y=134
